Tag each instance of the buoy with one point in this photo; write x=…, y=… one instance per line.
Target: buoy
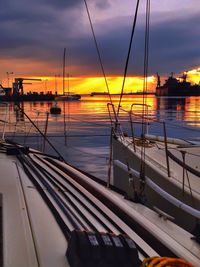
x=55, y=109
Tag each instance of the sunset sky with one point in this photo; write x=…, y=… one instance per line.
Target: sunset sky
x=35, y=33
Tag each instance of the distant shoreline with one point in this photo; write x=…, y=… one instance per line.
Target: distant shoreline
x=52, y=97
x=136, y=93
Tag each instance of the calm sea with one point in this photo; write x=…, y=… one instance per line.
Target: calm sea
x=81, y=133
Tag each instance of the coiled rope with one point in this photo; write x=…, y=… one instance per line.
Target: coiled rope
x=165, y=261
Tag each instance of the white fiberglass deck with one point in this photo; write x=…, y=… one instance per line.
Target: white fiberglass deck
x=33, y=237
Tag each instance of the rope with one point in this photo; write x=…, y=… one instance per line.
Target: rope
x=165, y=261
x=97, y=48
x=64, y=228
x=128, y=56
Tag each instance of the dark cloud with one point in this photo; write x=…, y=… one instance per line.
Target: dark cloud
x=102, y=4
x=10, y=5
x=175, y=44
x=61, y=3
x=36, y=29
x=39, y=31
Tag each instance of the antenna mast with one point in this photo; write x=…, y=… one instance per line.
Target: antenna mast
x=64, y=71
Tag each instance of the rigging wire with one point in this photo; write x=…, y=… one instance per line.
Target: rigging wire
x=81, y=151
x=63, y=82
x=97, y=48
x=144, y=100
x=128, y=56
x=41, y=133
x=64, y=58
x=146, y=58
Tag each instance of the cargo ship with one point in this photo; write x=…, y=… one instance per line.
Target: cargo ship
x=177, y=87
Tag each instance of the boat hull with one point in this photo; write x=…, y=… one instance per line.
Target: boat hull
x=121, y=180
x=68, y=98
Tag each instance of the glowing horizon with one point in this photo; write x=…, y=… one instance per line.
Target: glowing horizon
x=194, y=75
x=86, y=85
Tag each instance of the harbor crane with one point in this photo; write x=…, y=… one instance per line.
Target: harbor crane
x=18, y=85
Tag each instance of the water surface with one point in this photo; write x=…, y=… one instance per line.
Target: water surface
x=81, y=133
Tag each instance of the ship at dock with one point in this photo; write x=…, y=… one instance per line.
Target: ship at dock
x=177, y=87
x=16, y=92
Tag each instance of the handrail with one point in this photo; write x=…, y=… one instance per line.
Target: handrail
x=188, y=209
x=146, y=119
x=131, y=121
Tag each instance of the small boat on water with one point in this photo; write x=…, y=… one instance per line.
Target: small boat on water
x=55, y=109
x=68, y=97
x=161, y=172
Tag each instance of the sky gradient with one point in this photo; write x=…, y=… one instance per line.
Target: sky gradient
x=34, y=34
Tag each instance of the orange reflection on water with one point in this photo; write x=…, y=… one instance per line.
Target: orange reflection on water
x=95, y=108
x=98, y=104
x=187, y=109
x=192, y=112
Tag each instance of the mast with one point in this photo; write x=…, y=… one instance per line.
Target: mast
x=64, y=71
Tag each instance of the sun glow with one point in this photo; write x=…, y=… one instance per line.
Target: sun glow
x=194, y=75
x=86, y=85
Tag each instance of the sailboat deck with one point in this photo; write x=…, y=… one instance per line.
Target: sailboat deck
x=155, y=154
x=32, y=235
x=28, y=239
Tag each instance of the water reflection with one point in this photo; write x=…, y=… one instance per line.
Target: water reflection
x=19, y=111
x=181, y=109
x=192, y=112
x=164, y=103
x=83, y=127
x=94, y=108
